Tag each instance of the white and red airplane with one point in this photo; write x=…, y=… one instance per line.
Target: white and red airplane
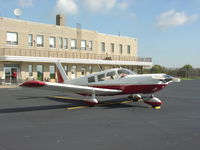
x=115, y=81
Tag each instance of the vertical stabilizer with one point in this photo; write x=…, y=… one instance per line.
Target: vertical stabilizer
x=61, y=74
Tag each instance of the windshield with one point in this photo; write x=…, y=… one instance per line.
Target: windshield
x=125, y=72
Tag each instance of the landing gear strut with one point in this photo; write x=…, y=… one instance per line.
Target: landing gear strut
x=93, y=101
x=135, y=97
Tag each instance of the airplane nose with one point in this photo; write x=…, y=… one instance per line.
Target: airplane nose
x=176, y=80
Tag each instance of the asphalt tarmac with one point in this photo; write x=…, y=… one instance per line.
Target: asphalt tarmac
x=33, y=119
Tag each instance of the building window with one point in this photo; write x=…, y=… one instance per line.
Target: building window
x=40, y=72
x=30, y=70
x=12, y=38
x=52, y=42
x=40, y=40
x=52, y=71
x=60, y=42
x=65, y=43
x=90, y=45
x=83, y=45
x=128, y=49
x=120, y=48
x=90, y=69
x=66, y=69
x=73, y=43
x=73, y=72
x=30, y=40
x=112, y=47
x=102, y=46
x=83, y=71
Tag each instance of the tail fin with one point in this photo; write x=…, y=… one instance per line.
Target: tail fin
x=62, y=76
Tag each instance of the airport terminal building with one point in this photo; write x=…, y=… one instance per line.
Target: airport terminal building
x=28, y=50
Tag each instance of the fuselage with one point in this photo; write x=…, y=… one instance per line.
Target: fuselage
x=123, y=79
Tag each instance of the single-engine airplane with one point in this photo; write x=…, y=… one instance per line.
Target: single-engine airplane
x=115, y=81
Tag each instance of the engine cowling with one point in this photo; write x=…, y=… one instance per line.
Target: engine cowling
x=154, y=102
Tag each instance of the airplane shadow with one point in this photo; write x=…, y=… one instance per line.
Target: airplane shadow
x=111, y=103
x=33, y=108
x=70, y=102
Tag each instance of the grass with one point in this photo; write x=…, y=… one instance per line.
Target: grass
x=185, y=78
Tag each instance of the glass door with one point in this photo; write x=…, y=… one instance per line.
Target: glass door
x=11, y=74
x=7, y=75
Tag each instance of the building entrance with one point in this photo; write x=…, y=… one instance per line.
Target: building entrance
x=11, y=74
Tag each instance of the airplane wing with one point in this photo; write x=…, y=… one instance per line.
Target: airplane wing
x=85, y=90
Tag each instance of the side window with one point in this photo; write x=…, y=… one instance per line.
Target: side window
x=101, y=77
x=91, y=79
x=110, y=75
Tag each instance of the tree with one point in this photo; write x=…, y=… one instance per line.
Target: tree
x=185, y=71
x=187, y=67
x=158, y=69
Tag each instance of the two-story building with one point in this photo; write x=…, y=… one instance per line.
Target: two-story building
x=28, y=50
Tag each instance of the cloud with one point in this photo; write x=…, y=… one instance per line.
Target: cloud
x=172, y=18
x=99, y=5
x=26, y=3
x=123, y=5
x=67, y=6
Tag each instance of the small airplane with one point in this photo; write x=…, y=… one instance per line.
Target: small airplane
x=115, y=81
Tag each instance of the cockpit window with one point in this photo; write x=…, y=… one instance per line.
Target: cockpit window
x=91, y=79
x=124, y=72
x=101, y=77
x=111, y=75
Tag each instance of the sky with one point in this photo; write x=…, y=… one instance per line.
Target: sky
x=168, y=31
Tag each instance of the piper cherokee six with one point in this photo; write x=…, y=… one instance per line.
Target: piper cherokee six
x=115, y=81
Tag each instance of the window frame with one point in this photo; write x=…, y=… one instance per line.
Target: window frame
x=110, y=75
x=91, y=79
x=112, y=46
x=52, y=75
x=60, y=42
x=75, y=44
x=65, y=43
x=12, y=42
x=83, y=47
x=120, y=48
x=30, y=39
x=54, y=42
x=37, y=43
x=90, y=45
x=30, y=70
x=128, y=49
x=103, y=47
x=101, y=77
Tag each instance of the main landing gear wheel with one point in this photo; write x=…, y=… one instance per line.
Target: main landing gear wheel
x=90, y=104
x=135, y=97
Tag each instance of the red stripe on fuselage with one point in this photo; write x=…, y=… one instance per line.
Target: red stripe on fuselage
x=131, y=89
